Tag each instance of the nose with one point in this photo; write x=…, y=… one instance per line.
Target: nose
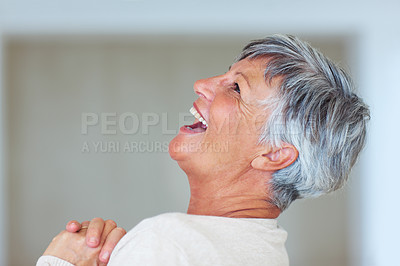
x=205, y=89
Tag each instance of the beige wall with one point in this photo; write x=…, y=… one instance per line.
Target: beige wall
x=51, y=82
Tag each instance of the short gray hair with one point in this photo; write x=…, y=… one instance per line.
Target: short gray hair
x=316, y=111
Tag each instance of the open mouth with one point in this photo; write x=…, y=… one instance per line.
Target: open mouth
x=200, y=126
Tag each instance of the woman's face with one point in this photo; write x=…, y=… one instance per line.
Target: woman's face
x=229, y=104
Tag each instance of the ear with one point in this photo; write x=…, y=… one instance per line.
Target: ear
x=275, y=158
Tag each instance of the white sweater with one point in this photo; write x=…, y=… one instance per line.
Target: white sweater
x=183, y=239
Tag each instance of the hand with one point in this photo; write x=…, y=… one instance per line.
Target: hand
x=89, y=243
x=95, y=231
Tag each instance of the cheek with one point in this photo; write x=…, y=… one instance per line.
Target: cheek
x=223, y=112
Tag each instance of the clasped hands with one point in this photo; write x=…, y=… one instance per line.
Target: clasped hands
x=86, y=243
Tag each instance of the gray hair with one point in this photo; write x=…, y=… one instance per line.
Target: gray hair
x=316, y=111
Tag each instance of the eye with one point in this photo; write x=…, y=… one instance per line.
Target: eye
x=236, y=88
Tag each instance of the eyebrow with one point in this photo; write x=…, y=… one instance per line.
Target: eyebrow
x=245, y=77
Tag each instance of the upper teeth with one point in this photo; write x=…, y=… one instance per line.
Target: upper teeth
x=194, y=112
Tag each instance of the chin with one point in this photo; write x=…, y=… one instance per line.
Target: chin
x=176, y=150
x=188, y=160
x=173, y=150
x=185, y=145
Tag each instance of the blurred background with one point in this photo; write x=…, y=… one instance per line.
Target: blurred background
x=65, y=64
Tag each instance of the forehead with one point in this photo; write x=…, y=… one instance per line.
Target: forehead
x=253, y=67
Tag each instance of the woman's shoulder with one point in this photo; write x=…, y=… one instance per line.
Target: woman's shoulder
x=161, y=221
x=187, y=237
x=181, y=225
x=164, y=225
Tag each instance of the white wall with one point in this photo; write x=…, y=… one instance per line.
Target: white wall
x=381, y=71
x=3, y=175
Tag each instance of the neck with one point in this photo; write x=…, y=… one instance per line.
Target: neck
x=247, y=197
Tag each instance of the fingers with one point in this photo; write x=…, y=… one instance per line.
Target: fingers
x=73, y=226
x=109, y=225
x=84, y=227
x=111, y=241
x=98, y=233
x=94, y=232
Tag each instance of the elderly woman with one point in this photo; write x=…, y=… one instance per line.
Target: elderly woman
x=294, y=129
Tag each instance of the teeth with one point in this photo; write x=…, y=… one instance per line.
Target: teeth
x=198, y=116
